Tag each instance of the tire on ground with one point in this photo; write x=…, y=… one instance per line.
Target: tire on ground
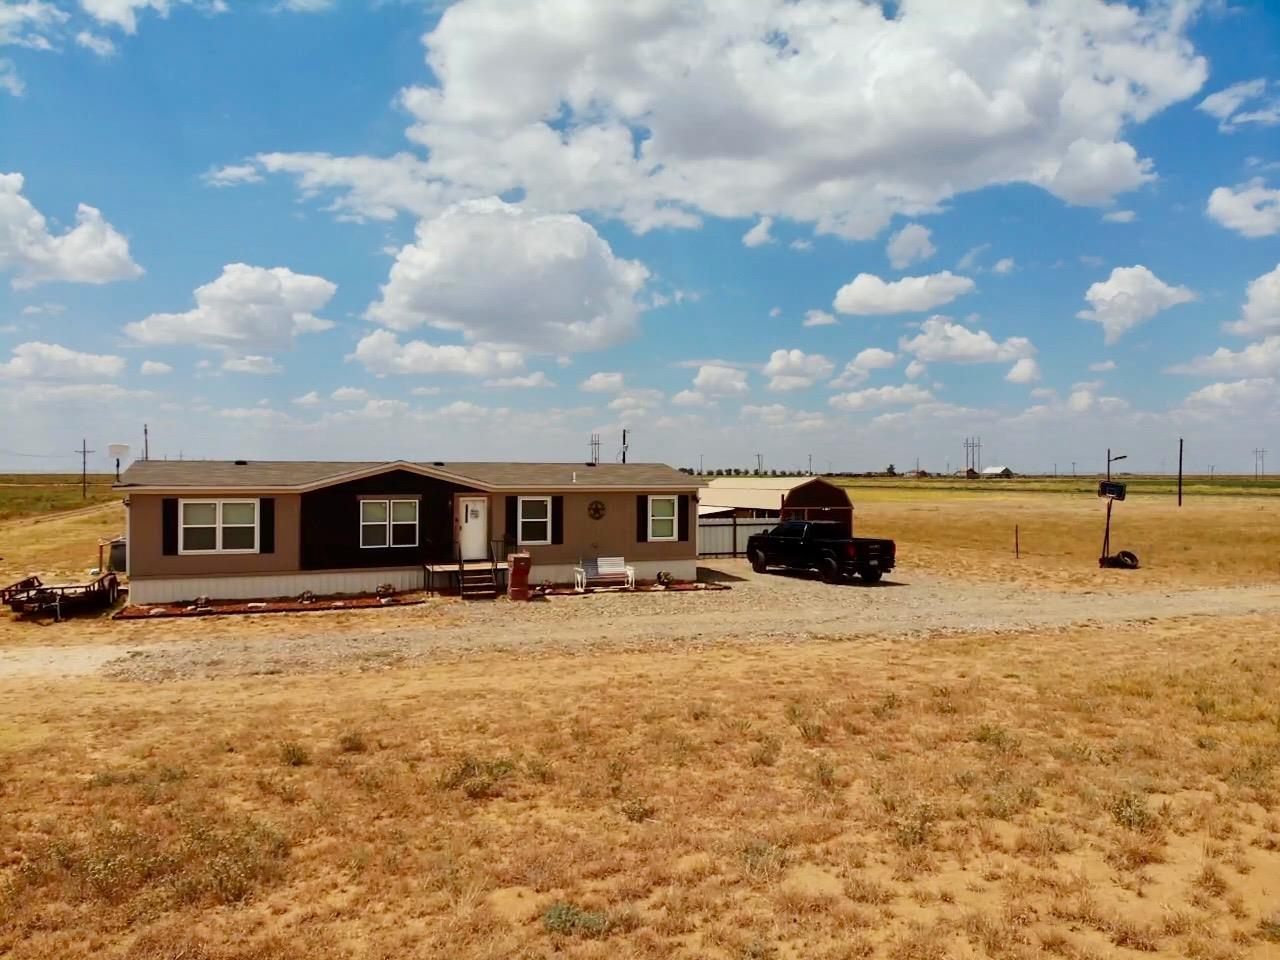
x=829, y=569
x=870, y=574
x=758, y=563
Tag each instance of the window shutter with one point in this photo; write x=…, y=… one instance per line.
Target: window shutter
x=169, y=526
x=642, y=518
x=682, y=512
x=513, y=504
x=557, y=519
x=267, y=525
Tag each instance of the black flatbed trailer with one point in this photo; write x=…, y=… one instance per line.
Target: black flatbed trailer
x=31, y=597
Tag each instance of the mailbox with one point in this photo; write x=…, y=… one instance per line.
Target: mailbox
x=1112, y=489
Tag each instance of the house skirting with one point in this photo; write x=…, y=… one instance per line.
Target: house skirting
x=560, y=573
x=145, y=590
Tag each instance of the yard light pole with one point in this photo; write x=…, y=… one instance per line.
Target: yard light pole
x=1111, y=460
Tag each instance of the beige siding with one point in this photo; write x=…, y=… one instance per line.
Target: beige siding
x=146, y=544
x=614, y=535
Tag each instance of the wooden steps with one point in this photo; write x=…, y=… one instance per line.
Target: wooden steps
x=477, y=584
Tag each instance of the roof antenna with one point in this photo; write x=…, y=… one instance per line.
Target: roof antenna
x=623, y=455
x=595, y=449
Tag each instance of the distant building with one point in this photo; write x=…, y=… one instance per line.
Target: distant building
x=997, y=472
x=768, y=498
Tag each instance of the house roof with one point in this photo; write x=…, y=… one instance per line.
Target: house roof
x=302, y=475
x=994, y=471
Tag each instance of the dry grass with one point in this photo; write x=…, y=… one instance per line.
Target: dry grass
x=1022, y=796
x=1218, y=540
x=34, y=494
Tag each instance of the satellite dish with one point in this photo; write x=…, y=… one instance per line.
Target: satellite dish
x=117, y=451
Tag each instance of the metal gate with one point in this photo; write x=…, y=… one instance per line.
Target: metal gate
x=727, y=537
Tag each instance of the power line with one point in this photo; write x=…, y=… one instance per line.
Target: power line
x=84, y=452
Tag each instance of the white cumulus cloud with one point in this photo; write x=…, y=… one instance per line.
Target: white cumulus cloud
x=1257, y=359
x=759, y=235
x=604, y=382
x=819, y=318
x=1025, y=370
x=154, y=368
x=1228, y=105
x=1251, y=209
x=50, y=361
x=716, y=380
x=92, y=251
x=559, y=287
x=942, y=341
x=839, y=113
x=382, y=353
x=860, y=367
x=906, y=395
x=1130, y=296
x=253, y=363
x=868, y=295
x=909, y=245
x=246, y=308
x=1261, y=313
x=795, y=369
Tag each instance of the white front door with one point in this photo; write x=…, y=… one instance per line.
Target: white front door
x=473, y=527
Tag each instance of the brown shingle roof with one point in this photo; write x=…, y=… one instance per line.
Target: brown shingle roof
x=272, y=474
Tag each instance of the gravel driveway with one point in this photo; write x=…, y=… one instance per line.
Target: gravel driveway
x=772, y=607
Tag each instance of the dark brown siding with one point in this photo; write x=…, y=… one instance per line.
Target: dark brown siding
x=331, y=522
x=818, y=493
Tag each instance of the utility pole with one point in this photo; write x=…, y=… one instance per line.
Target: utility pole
x=699, y=464
x=84, y=452
x=759, y=464
x=811, y=464
x=1180, y=471
x=624, y=444
x=146, y=442
x=1259, y=463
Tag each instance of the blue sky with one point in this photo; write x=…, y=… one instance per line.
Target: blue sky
x=409, y=230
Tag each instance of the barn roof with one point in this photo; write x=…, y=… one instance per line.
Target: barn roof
x=753, y=493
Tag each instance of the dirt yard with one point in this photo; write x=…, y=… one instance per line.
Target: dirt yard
x=982, y=758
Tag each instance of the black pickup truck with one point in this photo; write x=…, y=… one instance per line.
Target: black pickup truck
x=813, y=545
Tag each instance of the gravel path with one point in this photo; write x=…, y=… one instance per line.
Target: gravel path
x=758, y=608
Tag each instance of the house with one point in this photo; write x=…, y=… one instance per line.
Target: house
x=791, y=498
x=996, y=472
x=251, y=529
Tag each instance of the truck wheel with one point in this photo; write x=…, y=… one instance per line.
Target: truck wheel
x=870, y=574
x=829, y=570
x=758, y=563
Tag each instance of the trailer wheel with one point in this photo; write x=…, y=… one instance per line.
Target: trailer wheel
x=829, y=570
x=758, y=562
x=870, y=574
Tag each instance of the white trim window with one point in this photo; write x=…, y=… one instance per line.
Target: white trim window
x=662, y=518
x=217, y=526
x=388, y=523
x=533, y=521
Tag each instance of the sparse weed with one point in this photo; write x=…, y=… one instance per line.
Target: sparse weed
x=569, y=919
x=766, y=752
x=637, y=810
x=352, y=742
x=887, y=705
x=539, y=770
x=294, y=754
x=996, y=737
x=478, y=779
x=1129, y=809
